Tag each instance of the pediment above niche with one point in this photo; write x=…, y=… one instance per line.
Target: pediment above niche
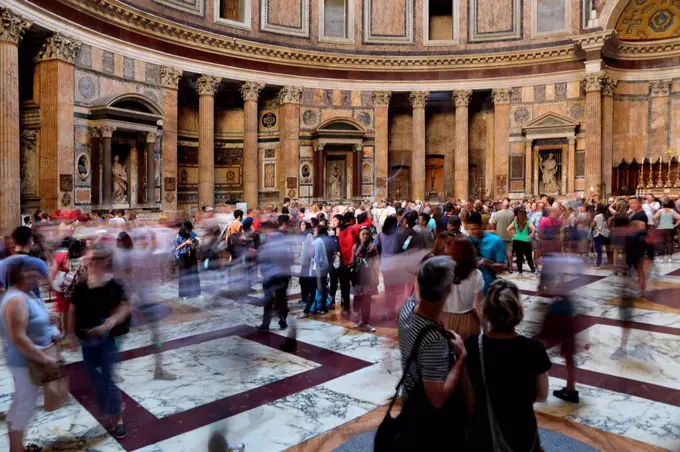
x=550, y=121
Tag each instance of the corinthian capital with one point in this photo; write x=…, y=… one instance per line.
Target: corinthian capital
x=609, y=86
x=151, y=137
x=594, y=81
x=501, y=95
x=251, y=90
x=13, y=26
x=419, y=98
x=104, y=131
x=660, y=88
x=381, y=98
x=461, y=97
x=59, y=47
x=170, y=77
x=290, y=95
x=207, y=85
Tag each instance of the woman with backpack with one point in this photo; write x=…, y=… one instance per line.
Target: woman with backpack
x=185, y=249
x=364, y=269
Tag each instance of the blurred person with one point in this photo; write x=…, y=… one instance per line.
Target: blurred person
x=491, y=256
x=67, y=262
x=26, y=328
x=333, y=247
x=637, y=244
x=185, y=249
x=365, y=268
x=322, y=255
x=509, y=373
x=235, y=225
x=461, y=310
x=118, y=219
x=389, y=244
x=522, y=232
x=549, y=230
x=501, y=221
x=601, y=235
x=307, y=280
x=99, y=313
x=535, y=219
x=650, y=206
x=667, y=220
x=455, y=226
x=275, y=258
x=442, y=244
x=346, y=240
x=23, y=240
x=442, y=224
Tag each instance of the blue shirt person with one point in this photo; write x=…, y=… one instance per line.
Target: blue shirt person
x=490, y=249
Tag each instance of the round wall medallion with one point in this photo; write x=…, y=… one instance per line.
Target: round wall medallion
x=309, y=117
x=576, y=111
x=83, y=166
x=364, y=118
x=268, y=120
x=521, y=115
x=86, y=87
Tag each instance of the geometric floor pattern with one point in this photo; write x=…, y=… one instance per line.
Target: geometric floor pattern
x=235, y=379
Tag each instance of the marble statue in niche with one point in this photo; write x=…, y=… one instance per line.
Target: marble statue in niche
x=120, y=181
x=335, y=182
x=548, y=168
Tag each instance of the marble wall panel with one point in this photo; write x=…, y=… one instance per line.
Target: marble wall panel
x=110, y=86
x=573, y=89
x=329, y=113
x=674, y=124
x=187, y=118
x=365, y=117
x=229, y=121
x=128, y=68
x=440, y=126
x=632, y=88
x=520, y=114
x=556, y=107
x=400, y=134
x=550, y=17
x=84, y=57
x=309, y=118
x=289, y=17
x=388, y=21
x=528, y=93
x=118, y=65
x=189, y=6
x=494, y=20
x=630, y=138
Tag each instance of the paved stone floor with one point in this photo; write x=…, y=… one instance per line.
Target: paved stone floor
x=232, y=378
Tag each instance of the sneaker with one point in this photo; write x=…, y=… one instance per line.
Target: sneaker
x=520, y=275
x=119, y=431
x=236, y=447
x=283, y=325
x=304, y=315
x=359, y=324
x=595, y=266
x=262, y=328
x=164, y=375
x=368, y=328
x=567, y=396
x=619, y=353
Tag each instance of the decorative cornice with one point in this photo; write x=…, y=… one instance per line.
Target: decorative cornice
x=251, y=90
x=609, y=86
x=660, y=88
x=419, y=98
x=627, y=50
x=594, y=41
x=290, y=95
x=151, y=137
x=501, y=95
x=103, y=131
x=127, y=17
x=58, y=47
x=207, y=85
x=594, y=81
x=381, y=98
x=461, y=97
x=170, y=77
x=13, y=26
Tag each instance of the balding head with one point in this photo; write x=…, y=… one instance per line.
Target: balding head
x=505, y=204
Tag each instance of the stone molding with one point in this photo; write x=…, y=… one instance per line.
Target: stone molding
x=13, y=26
x=461, y=97
x=290, y=95
x=646, y=49
x=59, y=47
x=151, y=137
x=501, y=95
x=660, y=88
x=251, y=90
x=104, y=131
x=419, y=98
x=609, y=86
x=170, y=77
x=594, y=81
x=595, y=41
x=206, y=85
x=381, y=98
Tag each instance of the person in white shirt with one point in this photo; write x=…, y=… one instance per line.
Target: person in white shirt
x=650, y=207
x=119, y=219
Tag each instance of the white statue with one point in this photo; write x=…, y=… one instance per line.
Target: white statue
x=548, y=169
x=334, y=182
x=120, y=181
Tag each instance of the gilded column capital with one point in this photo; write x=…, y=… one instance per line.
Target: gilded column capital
x=419, y=98
x=461, y=97
x=59, y=47
x=207, y=85
x=594, y=81
x=151, y=137
x=381, y=98
x=251, y=90
x=103, y=131
x=170, y=77
x=501, y=95
x=13, y=26
x=609, y=86
x=290, y=95
x=660, y=88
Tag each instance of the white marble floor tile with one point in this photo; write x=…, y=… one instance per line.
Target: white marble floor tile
x=659, y=425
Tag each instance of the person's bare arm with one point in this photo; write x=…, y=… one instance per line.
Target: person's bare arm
x=439, y=392
x=511, y=228
x=17, y=321
x=121, y=313
x=477, y=302
x=676, y=217
x=542, y=387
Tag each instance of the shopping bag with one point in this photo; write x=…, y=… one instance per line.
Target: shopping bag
x=56, y=393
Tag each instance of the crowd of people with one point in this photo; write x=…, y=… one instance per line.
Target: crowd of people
x=442, y=267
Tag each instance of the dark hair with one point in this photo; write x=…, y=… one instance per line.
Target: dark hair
x=455, y=221
x=76, y=250
x=282, y=219
x=238, y=213
x=399, y=211
x=621, y=219
x=286, y=200
x=302, y=210
x=27, y=219
x=185, y=229
x=412, y=218
x=521, y=219
x=426, y=216
x=465, y=255
x=22, y=235
x=669, y=204
x=361, y=217
x=390, y=225
x=16, y=267
x=435, y=277
x=474, y=218
x=339, y=217
x=321, y=230
x=551, y=200
x=449, y=207
x=124, y=241
x=348, y=217
x=314, y=221
x=601, y=208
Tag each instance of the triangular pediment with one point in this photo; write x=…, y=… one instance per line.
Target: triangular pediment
x=550, y=120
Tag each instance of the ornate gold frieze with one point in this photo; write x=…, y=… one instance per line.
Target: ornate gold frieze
x=59, y=47
x=170, y=77
x=251, y=90
x=13, y=26
x=207, y=85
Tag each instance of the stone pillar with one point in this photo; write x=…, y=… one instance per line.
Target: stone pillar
x=250, y=91
x=418, y=101
x=608, y=134
x=462, y=166
x=592, y=83
x=13, y=27
x=150, y=170
x=501, y=111
x=356, y=171
x=528, y=158
x=318, y=172
x=106, y=133
x=55, y=61
x=571, y=170
x=170, y=77
x=381, y=103
x=490, y=168
x=659, y=91
x=289, y=112
x=206, y=85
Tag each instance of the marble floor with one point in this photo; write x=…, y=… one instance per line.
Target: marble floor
x=234, y=379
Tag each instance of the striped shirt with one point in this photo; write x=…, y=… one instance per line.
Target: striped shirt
x=433, y=360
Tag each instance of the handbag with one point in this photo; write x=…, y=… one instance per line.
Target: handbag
x=36, y=371
x=497, y=439
x=56, y=393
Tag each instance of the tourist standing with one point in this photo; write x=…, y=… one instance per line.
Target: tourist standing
x=601, y=235
x=667, y=220
x=461, y=310
x=522, y=232
x=501, y=220
x=307, y=280
x=185, y=249
x=490, y=250
x=275, y=258
x=365, y=275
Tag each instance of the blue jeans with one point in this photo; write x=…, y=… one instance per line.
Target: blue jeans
x=597, y=243
x=101, y=353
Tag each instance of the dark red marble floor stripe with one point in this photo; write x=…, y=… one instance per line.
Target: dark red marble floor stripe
x=639, y=326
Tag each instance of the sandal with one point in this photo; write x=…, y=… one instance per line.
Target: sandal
x=33, y=448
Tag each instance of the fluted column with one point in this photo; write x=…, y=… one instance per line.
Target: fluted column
x=592, y=83
x=528, y=157
x=489, y=164
x=462, y=166
x=571, y=169
x=13, y=27
x=55, y=64
x=206, y=85
x=418, y=101
x=105, y=133
x=381, y=104
x=501, y=111
x=150, y=170
x=289, y=112
x=608, y=133
x=250, y=91
x=659, y=91
x=170, y=78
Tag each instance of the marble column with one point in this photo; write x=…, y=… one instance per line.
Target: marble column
x=461, y=99
x=592, y=83
x=571, y=169
x=250, y=91
x=608, y=134
x=501, y=111
x=318, y=172
x=417, y=184
x=528, y=158
x=490, y=168
x=381, y=103
x=289, y=112
x=105, y=133
x=55, y=61
x=13, y=27
x=150, y=169
x=170, y=78
x=207, y=86
x=659, y=91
